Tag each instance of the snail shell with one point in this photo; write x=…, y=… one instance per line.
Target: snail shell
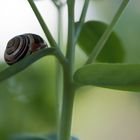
x=22, y=45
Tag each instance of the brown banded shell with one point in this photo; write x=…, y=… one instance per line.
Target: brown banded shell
x=22, y=45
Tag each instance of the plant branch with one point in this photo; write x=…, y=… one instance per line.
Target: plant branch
x=82, y=19
x=55, y=3
x=43, y=24
x=60, y=27
x=70, y=53
x=59, y=55
x=28, y=60
x=68, y=86
x=59, y=74
x=67, y=106
x=58, y=3
x=107, y=33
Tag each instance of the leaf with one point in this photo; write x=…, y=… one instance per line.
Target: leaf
x=115, y=76
x=90, y=35
x=23, y=64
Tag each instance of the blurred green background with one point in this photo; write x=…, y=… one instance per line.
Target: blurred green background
x=28, y=101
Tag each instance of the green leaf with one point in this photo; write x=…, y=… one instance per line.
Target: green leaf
x=90, y=35
x=115, y=76
x=23, y=64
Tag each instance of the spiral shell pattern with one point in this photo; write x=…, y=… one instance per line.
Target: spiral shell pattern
x=21, y=46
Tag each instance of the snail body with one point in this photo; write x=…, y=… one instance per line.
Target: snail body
x=22, y=45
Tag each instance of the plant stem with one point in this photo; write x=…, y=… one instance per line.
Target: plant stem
x=82, y=19
x=60, y=25
x=43, y=24
x=107, y=33
x=67, y=106
x=55, y=3
x=59, y=55
x=68, y=86
x=58, y=3
x=70, y=54
x=59, y=74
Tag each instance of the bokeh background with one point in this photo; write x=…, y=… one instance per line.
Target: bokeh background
x=28, y=101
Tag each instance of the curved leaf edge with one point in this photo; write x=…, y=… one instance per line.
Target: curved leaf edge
x=103, y=57
x=127, y=84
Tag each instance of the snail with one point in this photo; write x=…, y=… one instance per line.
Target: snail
x=21, y=46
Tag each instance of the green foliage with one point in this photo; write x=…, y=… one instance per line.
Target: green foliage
x=115, y=76
x=91, y=33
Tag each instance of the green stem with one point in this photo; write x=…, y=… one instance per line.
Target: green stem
x=59, y=74
x=58, y=3
x=55, y=3
x=70, y=53
x=60, y=25
x=82, y=19
x=59, y=55
x=67, y=107
x=43, y=24
x=107, y=33
x=68, y=86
